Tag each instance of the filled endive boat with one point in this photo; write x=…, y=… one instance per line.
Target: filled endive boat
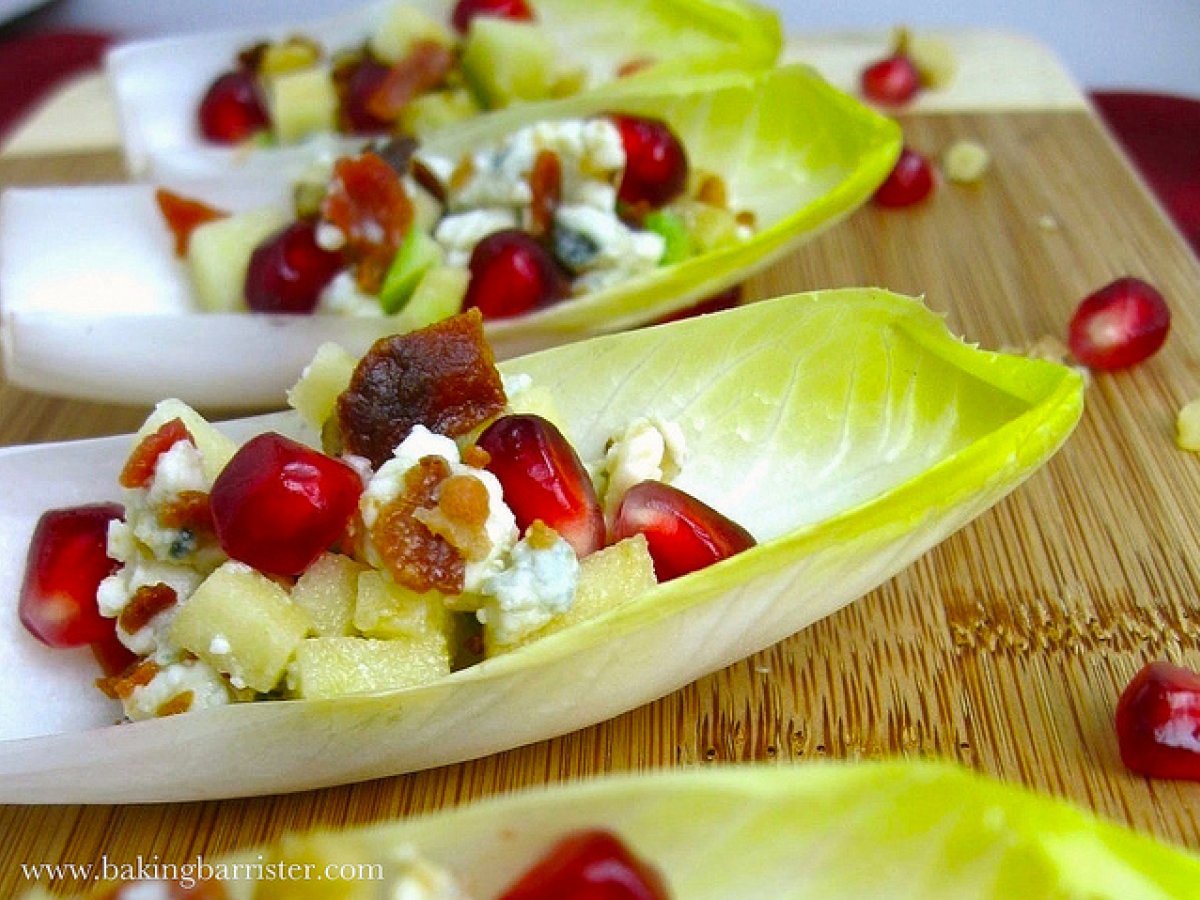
x=896, y=829
x=847, y=431
x=91, y=291
x=179, y=97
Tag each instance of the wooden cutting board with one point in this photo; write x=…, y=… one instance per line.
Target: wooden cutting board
x=1005, y=648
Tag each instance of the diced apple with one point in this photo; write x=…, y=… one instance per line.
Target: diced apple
x=403, y=25
x=319, y=852
x=315, y=395
x=326, y=591
x=243, y=624
x=288, y=56
x=215, y=448
x=219, y=254
x=608, y=578
x=337, y=666
x=438, y=296
x=417, y=255
x=384, y=609
x=301, y=103
x=708, y=226
x=433, y=111
x=507, y=61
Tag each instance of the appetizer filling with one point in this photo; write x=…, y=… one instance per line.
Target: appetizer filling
x=448, y=519
x=413, y=74
x=555, y=210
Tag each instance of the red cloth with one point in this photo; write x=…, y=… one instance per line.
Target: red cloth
x=1161, y=134
x=33, y=65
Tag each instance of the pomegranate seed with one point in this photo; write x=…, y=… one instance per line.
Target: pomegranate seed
x=363, y=80
x=66, y=563
x=1158, y=722
x=1119, y=325
x=289, y=270
x=278, y=504
x=232, y=109
x=892, y=81
x=910, y=181
x=466, y=10
x=727, y=299
x=511, y=274
x=112, y=656
x=139, y=468
x=656, y=166
x=543, y=479
x=684, y=534
x=589, y=865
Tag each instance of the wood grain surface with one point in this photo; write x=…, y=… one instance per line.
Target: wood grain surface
x=1004, y=648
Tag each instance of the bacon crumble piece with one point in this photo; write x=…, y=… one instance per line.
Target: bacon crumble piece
x=443, y=377
x=460, y=516
x=184, y=215
x=415, y=556
x=635, y=65
x=121, y=687
x=139, y=468
x=423, y=69
x=476, y=457
x=545, y=185
x=712, y=191
x=180, y=703
x=367, y=203
x=146, y=603
x=425, y=177
x=190, y=510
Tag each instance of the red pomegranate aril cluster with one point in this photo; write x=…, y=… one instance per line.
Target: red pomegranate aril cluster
x=511, y=274
x=466, y=10
x=67, y=560
x=683, y=533
x=589, y=865
x=232, y=109
x=656, y=165
x=289, y=270
x=910, y=181
x=1119, y=325
x=277, y=504
x=1158, y=722
x=543, y=478
x=891, y=81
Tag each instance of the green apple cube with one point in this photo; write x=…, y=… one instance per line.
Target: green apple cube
x=219, y=255
x=241, y=623
x=301, y=103
x=433, y=111
x=215, y=448
x=708, y=226
x=607, y=579
x=336, y=666
x=438, y=296
x=384, y=609
x=674, y=232
x=315, y=395
x=401, y=28
x=508, y=61
x=326, y=591
x=417, y=255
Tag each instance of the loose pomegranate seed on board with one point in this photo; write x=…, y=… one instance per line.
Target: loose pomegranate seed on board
x=1158, y=722
x=67, y=561
x=892, y=81
x=511, y=274
x=278, y=504
x=911, y=181
x=543, y=478
x=232, y=109
x=684, y=534
x=466, y=10
x=589, y=865
x=656, y=165
x=289, y=270
x=1119, y=325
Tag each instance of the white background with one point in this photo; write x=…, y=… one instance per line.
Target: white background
x=1151, y=44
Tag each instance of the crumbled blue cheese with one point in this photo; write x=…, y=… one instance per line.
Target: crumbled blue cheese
x=207, y=687
x=342, y=297
x=538, y=584
x=459, y=234
x=651, y=449
x=620, y=252
x=388, y=483
x=140, y=570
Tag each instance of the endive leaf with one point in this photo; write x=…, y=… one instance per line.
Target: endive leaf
x=847, y=430
x=158, y=84
x=920, y=830
x=91, y=292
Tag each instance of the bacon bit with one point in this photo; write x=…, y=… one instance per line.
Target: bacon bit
x=463, y=172
x=476, y=456
x=423, y=175
x=139, y=468
x=545, y=182
x=426, y=66
x=416, y=557
x=460, y=517
x=184, y=215
x=121, y=687
x=180, y=703
x=635, y=65
x=251, y=57
x=367, y=203
x=190, y=510
x=540, y=536
x=746, y=217
x=712, y=191
x=146, y=603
